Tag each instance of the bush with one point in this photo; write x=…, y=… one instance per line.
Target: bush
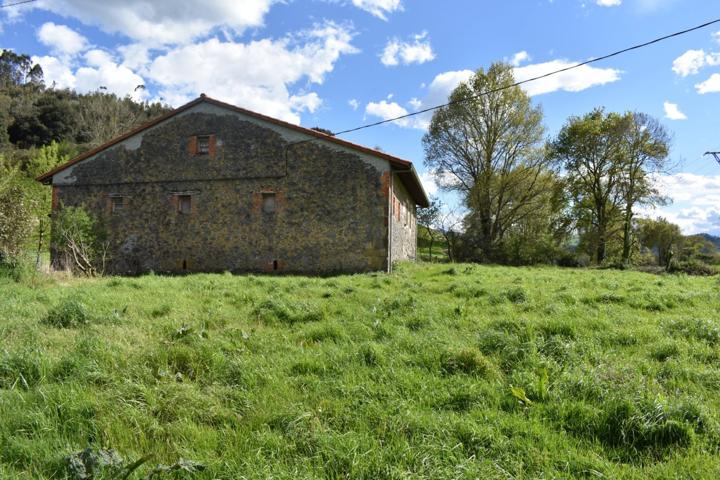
x=15, y=268
x=69, y=314
x=80, y=241
x=468, y=361
x=693, y=267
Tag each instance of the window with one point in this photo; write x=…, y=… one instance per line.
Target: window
x=203, y=144
x=184, y=204
x=268, y=202
x=117, y=204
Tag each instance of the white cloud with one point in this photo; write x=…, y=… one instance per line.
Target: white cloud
x=443, y=84
x=162, y=22
x=56, y=72
x=415, y=103
x=379, y=8
x=62, y=40
x=575, y=80
x=98, y=58
x=135, y=55
x=100, y=70
x=609, y=3
x=700, y=196
x=418, y=50
x=220, y=69
x=428, y=183
x=354, y=104
x=672, y=112
x=437, y=93
x=692, y=61
x=711, y=85
x=386, y=110
x=519, y=58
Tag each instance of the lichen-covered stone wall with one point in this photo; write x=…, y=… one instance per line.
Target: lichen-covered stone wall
x=403, y=224
x=331, y=205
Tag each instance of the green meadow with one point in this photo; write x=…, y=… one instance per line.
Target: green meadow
x=434, y=371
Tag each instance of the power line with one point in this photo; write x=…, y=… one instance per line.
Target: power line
x=522, y=82
x=17, y=3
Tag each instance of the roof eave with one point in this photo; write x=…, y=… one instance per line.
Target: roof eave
x=400, y=164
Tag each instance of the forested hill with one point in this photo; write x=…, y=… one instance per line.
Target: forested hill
x=712, y=239
x=34, y=115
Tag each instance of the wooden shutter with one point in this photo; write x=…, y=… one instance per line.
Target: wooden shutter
x=192, y=145
x=212, y=141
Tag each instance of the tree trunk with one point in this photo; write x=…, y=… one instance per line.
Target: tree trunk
x=601, y=241
x=430, y=234
x=627, y=235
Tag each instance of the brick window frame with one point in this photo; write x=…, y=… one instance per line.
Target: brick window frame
x=205, y=144
x=116, y=204
x=184, y=204
x=269, y=202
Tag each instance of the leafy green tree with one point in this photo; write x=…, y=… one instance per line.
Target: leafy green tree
x=485, y=145
x=590, y=149
x=18, y=69
x=42, y=118
x=700, y=248
x=15, y=215
x=660, y=236
x=646, y=145
x=541, y=236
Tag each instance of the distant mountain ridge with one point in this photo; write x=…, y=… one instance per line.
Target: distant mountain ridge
x=711, y=238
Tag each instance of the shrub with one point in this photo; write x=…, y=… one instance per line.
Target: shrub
x=468, y=361
x=693, y=267
x=80, y=240
x=15, y=268
x=16, y=217
x=69, y=314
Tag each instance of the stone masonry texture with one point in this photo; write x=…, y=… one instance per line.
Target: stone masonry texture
x=332, y=210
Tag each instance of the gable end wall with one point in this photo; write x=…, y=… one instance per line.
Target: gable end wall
x=332, y=202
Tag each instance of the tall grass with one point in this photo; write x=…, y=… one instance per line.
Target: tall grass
x=431, y=372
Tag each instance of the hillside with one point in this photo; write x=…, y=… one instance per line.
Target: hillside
x=711, y=238
x=431, y=372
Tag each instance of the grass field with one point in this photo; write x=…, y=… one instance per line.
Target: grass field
x=432, y=372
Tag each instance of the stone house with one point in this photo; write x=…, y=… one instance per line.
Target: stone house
x=213, y=187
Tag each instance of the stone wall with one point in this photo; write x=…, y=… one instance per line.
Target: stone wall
x=403, y=223
x=331, y=204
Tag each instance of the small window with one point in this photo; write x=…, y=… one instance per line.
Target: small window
x=184, y=204
x=117, y=204
x=203, y=144
x=268, y=202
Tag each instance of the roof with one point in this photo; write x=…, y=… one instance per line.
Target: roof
x=406, y=172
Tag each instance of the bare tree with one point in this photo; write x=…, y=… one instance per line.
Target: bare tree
x=449, y=222
x=427, y=218
x=81, y=240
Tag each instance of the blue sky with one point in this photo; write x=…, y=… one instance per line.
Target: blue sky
x=341, y=63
